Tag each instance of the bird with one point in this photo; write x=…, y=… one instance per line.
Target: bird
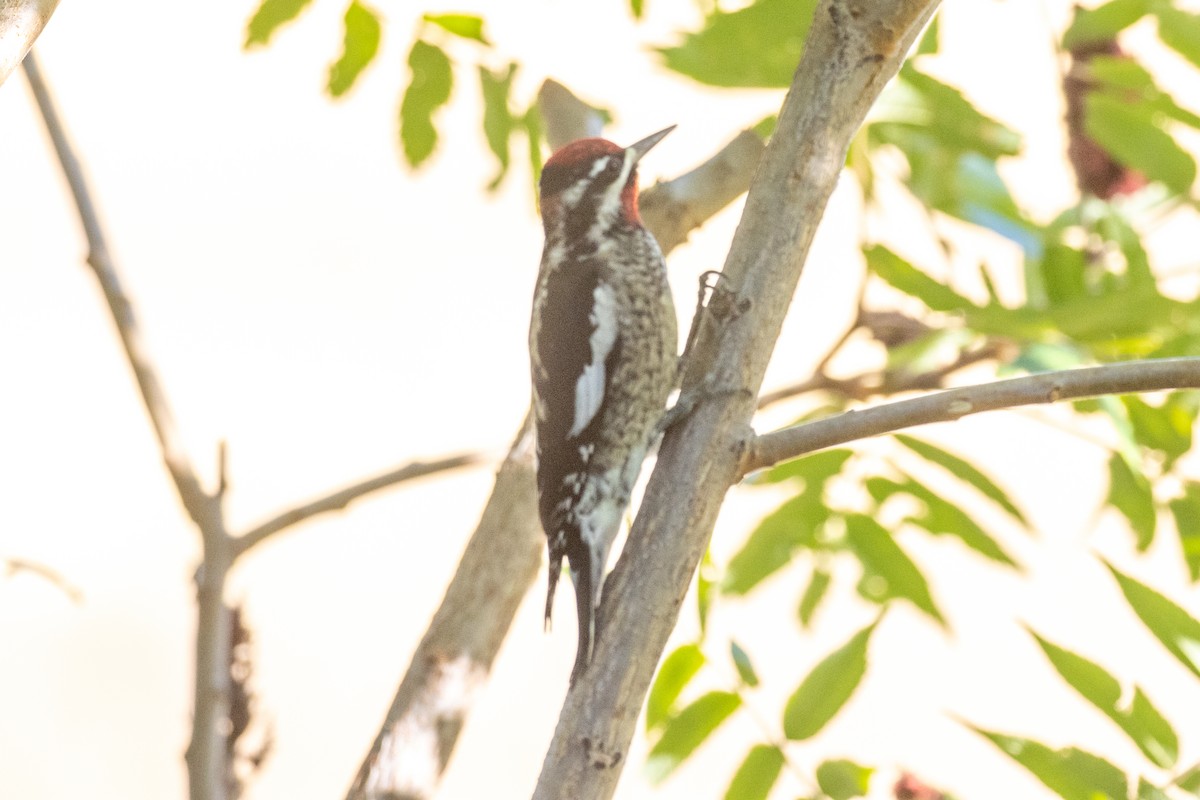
x=603, y=348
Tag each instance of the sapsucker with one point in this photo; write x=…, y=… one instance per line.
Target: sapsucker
x=603, y=349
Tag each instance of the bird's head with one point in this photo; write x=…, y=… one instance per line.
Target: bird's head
x=593, y=179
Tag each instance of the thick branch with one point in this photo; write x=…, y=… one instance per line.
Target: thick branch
x=344, y=497
x=852, y=50
x=453, y=659
x=21, y=22
x=1050, y=387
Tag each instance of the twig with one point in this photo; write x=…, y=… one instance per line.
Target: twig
x=338, y=500
x=952, y=404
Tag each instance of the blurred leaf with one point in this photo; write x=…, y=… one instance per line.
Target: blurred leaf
x=1186, y=511
x=1166, y=428
x=1122, y=77
x=1170, y=624
x=705, y=585
x=1148, y=791
x=686, y=731
x=842, y=780
x=1190, y=780
x=939, y=516
x=676, y=671
x=741, y=660
x=428, y=91
x=531, y=121
x=812, y=469
x=269, y=16
x=756, y=46
x=359, y=46
x=1142, y=722
x=1179, y=30
x=887, y=571
x=818, y=585
x=765, y=126
x=1102, y=23
x=1130, y=135
x=637, y=8
x=943, y=113
x=904, y=276
x=963, y=470
x=498, y=121
x=757, y=774
x=929, y=39
x=1074, y=774
x=827, y=688
x=770, y=546
x=468, y=26
x=1130, y=493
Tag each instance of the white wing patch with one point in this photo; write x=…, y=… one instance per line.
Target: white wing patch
x=589, y=389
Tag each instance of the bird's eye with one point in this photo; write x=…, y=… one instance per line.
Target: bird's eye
x=612, y=168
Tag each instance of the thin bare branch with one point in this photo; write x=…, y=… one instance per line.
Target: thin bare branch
x=335, y=501
x=853, y=49
x=952, y=404
x=209, y=773
x=194, y=498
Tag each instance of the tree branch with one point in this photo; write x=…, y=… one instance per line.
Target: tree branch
x=21, y=22
x=853, y=49
x=455, y=656
x=1050, y=387
x=209, y=773
x=338, y=500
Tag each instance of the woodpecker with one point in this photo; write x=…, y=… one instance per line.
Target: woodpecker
x=603, y=349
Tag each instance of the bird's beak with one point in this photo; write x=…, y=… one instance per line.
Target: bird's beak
x=641, y=148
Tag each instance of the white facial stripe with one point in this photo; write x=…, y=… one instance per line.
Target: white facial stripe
x=589, y=389
x=611, y=202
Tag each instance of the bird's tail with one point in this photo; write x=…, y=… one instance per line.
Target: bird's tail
x=587, y=595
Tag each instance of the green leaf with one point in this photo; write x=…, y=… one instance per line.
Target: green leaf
x=1190, y=780
x=498, y=121
x=705, y=586
x=637, y=8
x=1130, y=493
x=757, y=774
x=687, y=730
x=428, y=91
x=1179, y=30
x=1141, y=721
x=531, y=121
x=910, y=280
x=1130, y=135
x=818, y=585
x=269, y=16
x=1166, y=428
x=468, y=26
x=826, y=689
x=745, y=668
x=676, y=671
x=1102, y=23
x=1186, y=511
x=770, y=546
x=756, y=46
x=964, y=470
x=887, y=571
x=929, y=39
x=842, y=780
x=1170, y=624
x=1074, y=774
x=359, y=46
x=939, y=516
x=812, y=469
x=1148, y=791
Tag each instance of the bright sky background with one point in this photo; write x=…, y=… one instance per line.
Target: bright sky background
x=331, y=315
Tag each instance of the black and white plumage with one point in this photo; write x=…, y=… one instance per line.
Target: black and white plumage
x=603, y=348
